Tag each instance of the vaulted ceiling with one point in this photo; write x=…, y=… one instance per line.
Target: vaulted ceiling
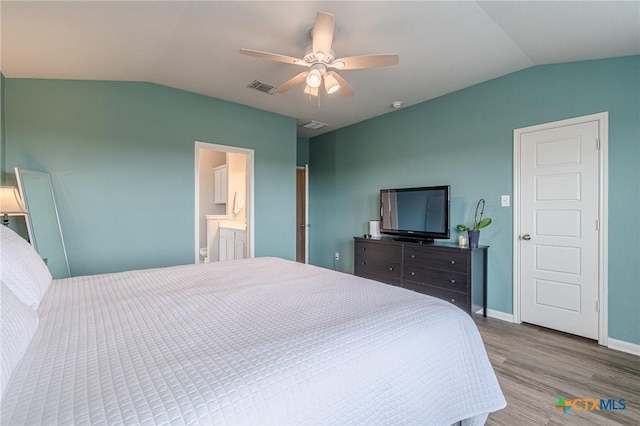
x=193, y=45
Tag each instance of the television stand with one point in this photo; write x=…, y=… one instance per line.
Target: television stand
x=442, y=270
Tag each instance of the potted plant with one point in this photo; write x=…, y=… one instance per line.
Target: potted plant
x=478, y=223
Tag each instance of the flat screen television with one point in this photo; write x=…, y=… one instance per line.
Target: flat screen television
x=416, y=213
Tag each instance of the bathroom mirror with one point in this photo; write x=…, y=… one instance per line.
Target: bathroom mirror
x=43, y=223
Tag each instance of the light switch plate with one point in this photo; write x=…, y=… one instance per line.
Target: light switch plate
x=505, y=201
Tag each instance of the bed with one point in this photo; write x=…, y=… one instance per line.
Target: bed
x=254, y=341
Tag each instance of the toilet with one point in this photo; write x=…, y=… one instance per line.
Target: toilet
x=204, y=253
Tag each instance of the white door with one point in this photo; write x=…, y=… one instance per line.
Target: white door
x=559, y=223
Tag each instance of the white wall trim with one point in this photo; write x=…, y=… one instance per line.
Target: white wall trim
x=615, y=344
x=500, y=315
x=250, y=193
x=603, y=208
x=503, y=316
x=622, y=346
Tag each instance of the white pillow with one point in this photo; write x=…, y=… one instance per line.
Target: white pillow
x=22, y=269
x=19, y=324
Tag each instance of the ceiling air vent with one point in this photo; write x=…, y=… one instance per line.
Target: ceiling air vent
x=262, y=87
x=314, y=125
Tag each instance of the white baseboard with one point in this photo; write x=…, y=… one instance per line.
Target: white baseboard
x=622, y=346
x=618, y=345
x=499, y=315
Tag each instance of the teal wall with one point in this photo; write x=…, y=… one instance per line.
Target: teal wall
x=465, y=139
x=2, y=145
x=121, y=157
x=302, y=156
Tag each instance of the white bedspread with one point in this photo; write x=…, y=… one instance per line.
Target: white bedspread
x=256, y=341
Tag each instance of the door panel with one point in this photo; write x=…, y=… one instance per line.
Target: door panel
x=561, y=223
x=557, y=259
x=557, y=187
x=559, y=295
x=559, y=210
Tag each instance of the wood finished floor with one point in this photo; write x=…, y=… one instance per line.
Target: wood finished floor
x=535, y=366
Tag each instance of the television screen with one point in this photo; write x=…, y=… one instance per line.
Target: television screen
x=421, y=213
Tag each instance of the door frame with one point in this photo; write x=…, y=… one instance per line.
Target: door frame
x=306, y=210
x=603, y=207
x=249, y=204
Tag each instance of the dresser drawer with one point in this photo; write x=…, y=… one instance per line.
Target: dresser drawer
x=437, y=277
x=378, y=251
x=461, y=300
x=364, y=266
x=387, y=279
x=382, y=262
x=435, y=259
x=442, y=270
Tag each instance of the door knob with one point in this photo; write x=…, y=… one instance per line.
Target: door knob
x=526, y=237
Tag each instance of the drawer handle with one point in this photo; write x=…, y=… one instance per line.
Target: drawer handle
x=413, y=273
x=453, y=281
x=453, y=262
x=413, y=256
x=364, y=263
x=453, y=300
x=364, y=248
x=390, y=268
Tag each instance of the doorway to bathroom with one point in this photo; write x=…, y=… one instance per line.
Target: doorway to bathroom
x=223, y=202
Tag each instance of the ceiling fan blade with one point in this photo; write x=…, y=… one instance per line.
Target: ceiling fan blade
x=274, y=57
x=322, y=37
x=365, y=61
x=292, y=82
x=345, y=88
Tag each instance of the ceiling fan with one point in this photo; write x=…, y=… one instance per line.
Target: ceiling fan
x=321, y=61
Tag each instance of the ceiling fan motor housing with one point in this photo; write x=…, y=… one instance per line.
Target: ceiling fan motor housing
x=312, y=58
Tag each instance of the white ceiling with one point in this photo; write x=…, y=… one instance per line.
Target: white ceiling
x=193, y=45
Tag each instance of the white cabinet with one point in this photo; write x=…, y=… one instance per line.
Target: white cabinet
x=221, y=181
x=233, y=244
x=240, y=244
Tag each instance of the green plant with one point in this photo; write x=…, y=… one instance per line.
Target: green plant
x=478, y=222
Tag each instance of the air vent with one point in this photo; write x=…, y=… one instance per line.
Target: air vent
x=262, y=87
x=314, y=125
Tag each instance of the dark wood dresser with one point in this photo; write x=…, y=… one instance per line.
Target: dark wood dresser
x=443, y=270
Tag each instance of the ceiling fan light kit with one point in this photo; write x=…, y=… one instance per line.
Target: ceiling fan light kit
x=331, y=84
x=321, y=60
x=314, y=79
x=308, y=90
